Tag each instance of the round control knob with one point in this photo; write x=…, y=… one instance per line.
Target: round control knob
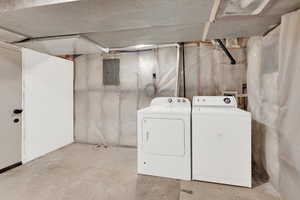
x=170, y=100
x=183, y=100
x=227, y=100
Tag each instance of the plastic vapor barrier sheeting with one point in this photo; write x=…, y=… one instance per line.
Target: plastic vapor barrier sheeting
x=230, y=77
x=254, y=57
x=106, y=114
x=273, y=84
x=263, y=104
x=289, y=112
x=209, y=72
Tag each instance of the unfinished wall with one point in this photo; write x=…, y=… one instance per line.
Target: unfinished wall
x=289, y=98
x=263, y=104
x=209, y=72
x=273, y=81
x=107, y=114
x=199, y=63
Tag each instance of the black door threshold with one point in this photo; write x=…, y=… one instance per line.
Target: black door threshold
x=10, y=167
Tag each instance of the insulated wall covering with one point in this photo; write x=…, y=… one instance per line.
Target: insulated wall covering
x=289, y=110
x=107, y=114
x=209, y=72
x=263, y=104
x=273, y=83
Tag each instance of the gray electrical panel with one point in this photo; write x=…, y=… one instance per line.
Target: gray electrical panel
x=111, y=70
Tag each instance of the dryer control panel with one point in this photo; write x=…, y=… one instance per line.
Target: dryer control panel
x=214, y=101
x=170, y=101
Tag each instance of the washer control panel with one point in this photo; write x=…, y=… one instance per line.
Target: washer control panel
x=214, y=101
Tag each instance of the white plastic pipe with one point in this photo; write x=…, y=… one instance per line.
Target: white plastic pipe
x=177, y=84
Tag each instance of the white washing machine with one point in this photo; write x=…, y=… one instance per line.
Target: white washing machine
x=221, y=135
x=164, y=138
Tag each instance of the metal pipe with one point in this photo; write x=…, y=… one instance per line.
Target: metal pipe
x=222, y=46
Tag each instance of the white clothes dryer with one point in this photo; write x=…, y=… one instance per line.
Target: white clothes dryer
x=164, y=138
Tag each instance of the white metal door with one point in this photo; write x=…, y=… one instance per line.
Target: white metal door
x=11, y=99
x=48, y=102
x=163, y=136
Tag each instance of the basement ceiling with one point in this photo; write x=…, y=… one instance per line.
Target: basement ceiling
x=102, y=15
x=256, y=7
x=243, y=26
x=241, y=7
x=152, y=35
x=280, y=7
x=8, y=36
x=8, y=5
x=121, y=23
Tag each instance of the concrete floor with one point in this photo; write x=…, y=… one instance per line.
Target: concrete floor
x=83, y=172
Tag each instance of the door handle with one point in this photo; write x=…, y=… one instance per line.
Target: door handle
x=18, y=111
